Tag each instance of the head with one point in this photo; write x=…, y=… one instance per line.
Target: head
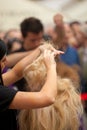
x=75, y=25
x=70, y=35
x=68, y=31
x=58, y=37
x=11, y=34
x=83, y=33
x=32, y=32
x=58, y=19
x=60, y=115
x=82, y=36
x=83, y=29
x=13, y=45
x=2, y=57
x=2, y=34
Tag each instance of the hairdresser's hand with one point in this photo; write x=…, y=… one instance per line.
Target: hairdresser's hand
x=45, y=46
x=49, y=59
x=51, y=48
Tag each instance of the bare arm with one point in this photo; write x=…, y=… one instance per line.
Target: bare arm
x=25, y=100
x=12, y=59
x=16, y=72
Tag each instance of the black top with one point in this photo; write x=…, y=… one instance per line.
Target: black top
x=21, y=84
x=7, y=116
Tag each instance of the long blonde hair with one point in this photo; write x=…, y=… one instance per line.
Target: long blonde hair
x=64, y=114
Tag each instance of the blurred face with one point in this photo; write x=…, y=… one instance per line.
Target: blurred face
x=76, y=28
x=82, y=39
x=68, y=31
x=58, y=20
x=2, y=34
x=32, y=40
x=53, y=34
x=15, y=34
x=3, y=62
x=15, y=46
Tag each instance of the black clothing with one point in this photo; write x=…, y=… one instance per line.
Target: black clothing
x=7, y=116
x=21, y=84
x=3, y=49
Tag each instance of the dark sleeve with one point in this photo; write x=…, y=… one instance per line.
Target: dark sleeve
x=6, y=96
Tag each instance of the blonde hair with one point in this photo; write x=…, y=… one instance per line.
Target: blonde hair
x=64, y=114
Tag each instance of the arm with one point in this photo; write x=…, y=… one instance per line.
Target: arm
x=16, y=72
x=12, y=59
x=47, y=95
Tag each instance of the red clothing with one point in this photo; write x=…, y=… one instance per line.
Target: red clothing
x=84, y=96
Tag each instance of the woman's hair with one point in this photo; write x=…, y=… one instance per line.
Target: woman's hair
x=3, y=51
x=65, y=113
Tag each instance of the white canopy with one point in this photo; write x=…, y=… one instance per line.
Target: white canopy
x=12, y=12
x=76, y=11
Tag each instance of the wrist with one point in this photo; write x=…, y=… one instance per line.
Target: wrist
x=52, y=67
x=38, y=50
x=41, y=48
x=44, y=47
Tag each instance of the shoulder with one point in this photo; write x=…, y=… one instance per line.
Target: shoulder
x=7, y=92
x=6, y=96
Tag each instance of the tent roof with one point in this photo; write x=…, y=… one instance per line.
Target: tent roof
x=76, y=11
x=12, y=12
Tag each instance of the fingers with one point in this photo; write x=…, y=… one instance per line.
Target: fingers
x=49, y=54
x=49, y=57
x=51, y=48
x=59, y=52
x=56, y=52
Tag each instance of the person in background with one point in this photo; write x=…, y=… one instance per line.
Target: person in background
x=32, y=34
x=70, y=36
x=13, y=45
x=2, y=34
x=59, y=26
x=75, y=26
x=11, y=34
x=58, y=20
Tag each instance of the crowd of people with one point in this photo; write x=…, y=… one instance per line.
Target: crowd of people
x=63, y=47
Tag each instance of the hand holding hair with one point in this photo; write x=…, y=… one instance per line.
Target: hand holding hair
x=51, y=48
x=49, y=58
